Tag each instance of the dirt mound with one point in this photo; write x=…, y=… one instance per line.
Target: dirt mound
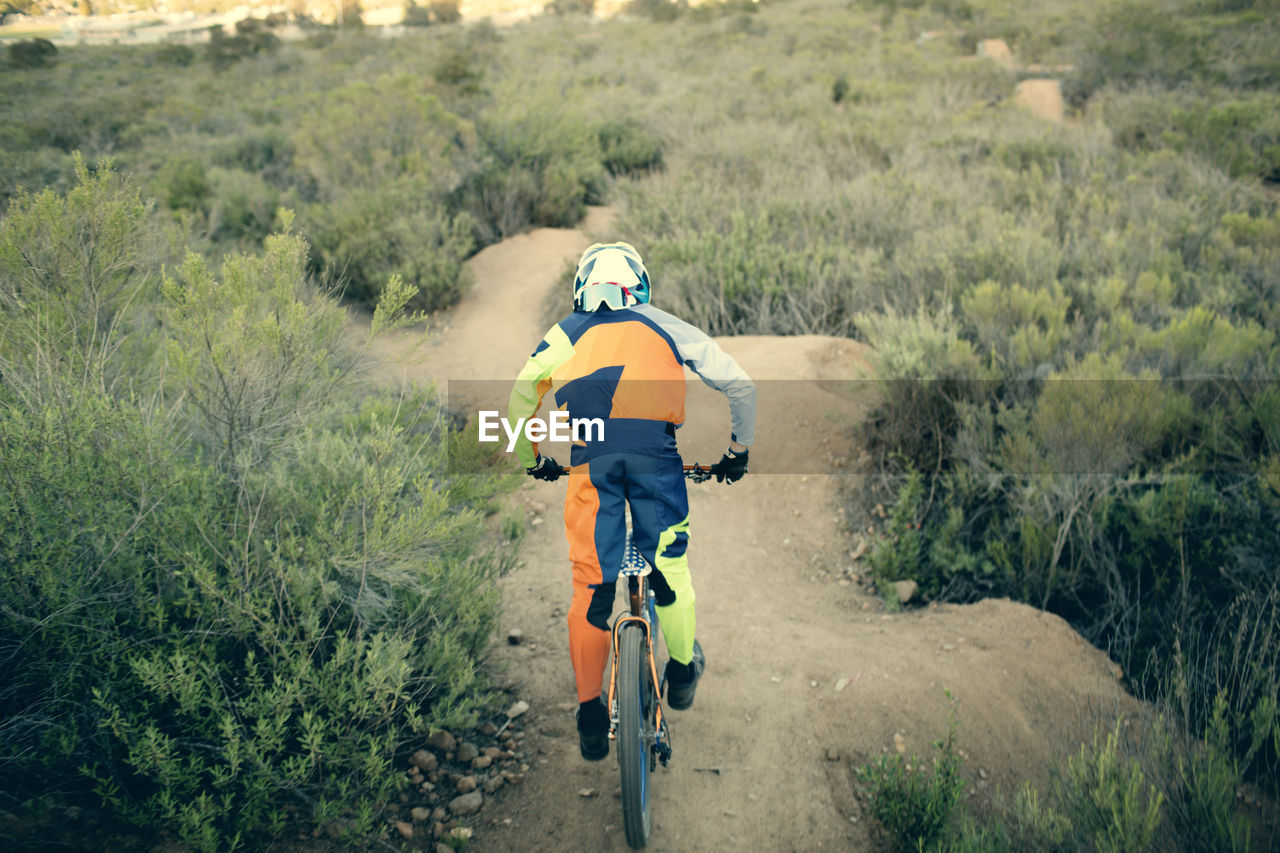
x=1042, y=97
x=807, y=675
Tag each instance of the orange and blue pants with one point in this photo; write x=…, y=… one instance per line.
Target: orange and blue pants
x=595, y=523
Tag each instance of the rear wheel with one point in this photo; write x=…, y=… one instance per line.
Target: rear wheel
x=636, y=732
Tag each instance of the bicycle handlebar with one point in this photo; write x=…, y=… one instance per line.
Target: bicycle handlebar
x=698, y=473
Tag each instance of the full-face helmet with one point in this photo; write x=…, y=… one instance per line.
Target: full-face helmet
x=611, y=275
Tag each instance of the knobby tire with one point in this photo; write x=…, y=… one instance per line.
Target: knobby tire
x=635, y=707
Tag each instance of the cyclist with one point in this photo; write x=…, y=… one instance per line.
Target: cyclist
x=618, y=358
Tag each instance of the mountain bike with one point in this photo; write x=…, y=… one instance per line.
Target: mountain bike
x=636, y=723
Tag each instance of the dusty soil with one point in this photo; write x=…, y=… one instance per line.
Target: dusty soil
x=1043, y=98
x=807, y=676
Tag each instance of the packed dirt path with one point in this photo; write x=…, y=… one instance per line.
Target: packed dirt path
x=807, y=675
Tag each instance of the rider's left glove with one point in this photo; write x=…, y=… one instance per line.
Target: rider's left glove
x=731, y=467
x=546, y=469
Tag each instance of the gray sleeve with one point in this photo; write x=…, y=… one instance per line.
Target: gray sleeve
x=715, y=367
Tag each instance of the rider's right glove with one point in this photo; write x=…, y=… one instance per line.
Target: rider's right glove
x=731, y=467
x=546, y=469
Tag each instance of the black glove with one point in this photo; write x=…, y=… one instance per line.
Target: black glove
x=731, y=467
x=546, y=469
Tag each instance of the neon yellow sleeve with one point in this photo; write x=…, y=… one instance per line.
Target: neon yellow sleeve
x=532, y=383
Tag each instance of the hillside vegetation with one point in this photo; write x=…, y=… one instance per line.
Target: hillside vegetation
x=1074, y=325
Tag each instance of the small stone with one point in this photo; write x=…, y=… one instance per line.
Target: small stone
x=878, y=511
x=466, y=785
x=776, y=679
x=404, y=828
x=567, y=707
x=813, y=684
x=905, y=590
x=513, y=778
x=487, y=729
x=833, y=754
x=493, y=752
x=586, y=792
x=948, y=647
x=481, y=762
x=841, y=684
x=899, y=743
x=419, y=814
x=439, y=815
x=467, y=753
x=442, y=741
x=517, y=709
x=514, y=636
x=982, y=772
x=424, y=761
x=493, y=784
x=466, y=804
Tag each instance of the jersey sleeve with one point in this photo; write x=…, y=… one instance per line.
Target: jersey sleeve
x=532, y=384
x=716, y=368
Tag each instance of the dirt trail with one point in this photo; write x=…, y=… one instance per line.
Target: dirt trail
x=807, y=675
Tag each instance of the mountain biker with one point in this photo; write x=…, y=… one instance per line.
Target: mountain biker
x=618, y=358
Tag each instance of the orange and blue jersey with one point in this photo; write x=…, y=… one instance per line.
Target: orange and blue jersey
x=627, y=368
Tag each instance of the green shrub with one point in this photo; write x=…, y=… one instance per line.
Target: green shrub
x=371, y=235
x=263, y=616
x=33, y=53
x=241, y=206
x=915, y=805
x=365, y=134
x=542, y=167
x=242, y=333
x=265, y=150
x=1111, y=803
x=627, y=148
x=180, y=55
x=458, y=68
x=1207, y=780
x=182, y=183
x=840, y=88
x=224, y=50
x=73, y=269
x=1023, y=825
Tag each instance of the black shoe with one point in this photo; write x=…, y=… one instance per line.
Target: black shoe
x=682, y=679
x=593, y=730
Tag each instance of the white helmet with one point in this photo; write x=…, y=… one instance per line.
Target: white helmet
x=612, y=275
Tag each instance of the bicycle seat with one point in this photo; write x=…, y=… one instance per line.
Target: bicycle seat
x=633, y=564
